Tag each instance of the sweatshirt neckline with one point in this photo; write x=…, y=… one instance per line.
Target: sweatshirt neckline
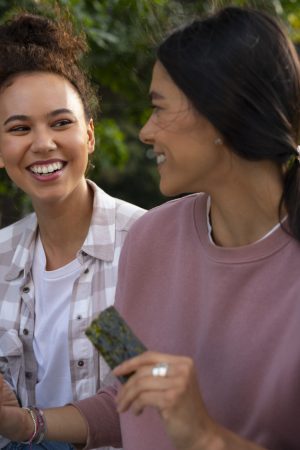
x=246, y=253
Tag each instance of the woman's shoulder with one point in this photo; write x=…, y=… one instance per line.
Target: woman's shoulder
x=12, y=234
x=113, y=210
x=173, y=212
x=175, y=206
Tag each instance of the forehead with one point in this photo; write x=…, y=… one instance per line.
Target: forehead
x=39, y=90
x=163, y=87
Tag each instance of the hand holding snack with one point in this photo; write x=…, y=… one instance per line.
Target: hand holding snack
x=114, y=339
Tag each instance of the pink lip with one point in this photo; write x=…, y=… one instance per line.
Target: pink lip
x=50, y=177
x=47, y=178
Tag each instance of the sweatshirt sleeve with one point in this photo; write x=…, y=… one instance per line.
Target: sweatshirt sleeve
x=102, y=418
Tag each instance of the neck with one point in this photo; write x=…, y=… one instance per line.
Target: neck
x=64, y=227
x=245, y=210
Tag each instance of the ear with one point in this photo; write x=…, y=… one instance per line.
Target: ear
x=90, y=136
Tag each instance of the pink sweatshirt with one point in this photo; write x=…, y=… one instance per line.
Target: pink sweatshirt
x=235, y=311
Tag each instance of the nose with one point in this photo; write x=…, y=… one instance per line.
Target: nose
x=146, y=134
x=42, y=142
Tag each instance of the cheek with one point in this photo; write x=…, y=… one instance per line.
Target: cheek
x=14, y=173
x=79, y=150
x=8, y=152
x=179, y=127
x=79, y=138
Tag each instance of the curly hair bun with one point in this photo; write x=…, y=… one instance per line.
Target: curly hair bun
x=27, y=29
x=34, y=43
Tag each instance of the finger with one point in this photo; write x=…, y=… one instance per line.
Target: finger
x=158, y=400
x=146, y=371
x=129, y=393
x=140, y=383
x=133, y=364
x=9, y=396
x=146, y=358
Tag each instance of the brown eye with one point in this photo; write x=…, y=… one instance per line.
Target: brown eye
x=62, y=123
x=156, y=108
x=19, y=129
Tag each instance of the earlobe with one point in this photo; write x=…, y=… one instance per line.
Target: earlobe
x=91, y=136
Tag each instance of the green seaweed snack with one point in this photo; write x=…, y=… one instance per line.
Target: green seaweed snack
x=113, y=338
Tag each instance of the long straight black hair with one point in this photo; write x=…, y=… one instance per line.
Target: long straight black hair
x=241, y=71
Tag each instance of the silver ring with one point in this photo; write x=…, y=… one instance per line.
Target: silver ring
x=160, y=370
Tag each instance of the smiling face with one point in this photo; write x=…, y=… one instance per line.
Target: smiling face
x=187, y=146
x=45, y=138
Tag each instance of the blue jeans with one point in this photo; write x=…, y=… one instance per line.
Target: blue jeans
x=46, y=445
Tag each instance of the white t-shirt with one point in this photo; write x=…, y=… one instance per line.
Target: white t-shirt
x=53, y=291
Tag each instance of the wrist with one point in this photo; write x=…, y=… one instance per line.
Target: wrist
x=16, y=424
x=213, y=443
x=39, y=425
x=210, y=439
x=30, y=426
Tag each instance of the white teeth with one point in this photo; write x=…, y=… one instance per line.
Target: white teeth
x=160, y=159
x=45, y=169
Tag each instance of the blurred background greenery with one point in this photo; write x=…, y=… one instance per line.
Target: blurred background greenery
x=122, y=35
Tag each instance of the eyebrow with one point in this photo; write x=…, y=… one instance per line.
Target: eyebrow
x=54, y=113
x=16, y=117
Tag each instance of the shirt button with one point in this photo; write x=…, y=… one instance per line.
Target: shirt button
x=26, y=289
x=25, y=332
x=86, y=271
x=81, y=363
x=79, y=317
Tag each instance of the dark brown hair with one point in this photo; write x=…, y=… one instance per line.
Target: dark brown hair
x=240, y=70
x=30, y=43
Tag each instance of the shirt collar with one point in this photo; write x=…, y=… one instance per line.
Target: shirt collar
x=100, y=240
x=23, y=256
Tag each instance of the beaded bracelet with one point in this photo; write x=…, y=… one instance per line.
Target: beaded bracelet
x=29, y=410
x=40, y=426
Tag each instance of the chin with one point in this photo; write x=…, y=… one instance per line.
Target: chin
x=170, y=191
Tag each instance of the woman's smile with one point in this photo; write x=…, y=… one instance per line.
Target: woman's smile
x=45, y=138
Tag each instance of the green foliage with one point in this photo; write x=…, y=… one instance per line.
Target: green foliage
x=122, y=35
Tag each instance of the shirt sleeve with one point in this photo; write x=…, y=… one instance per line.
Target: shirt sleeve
x=102, y=418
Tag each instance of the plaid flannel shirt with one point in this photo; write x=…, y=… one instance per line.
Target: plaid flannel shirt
x=93, y=291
